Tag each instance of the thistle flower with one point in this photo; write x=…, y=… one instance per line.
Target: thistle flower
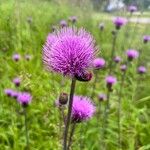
x=141, y=70
x=146, y=38
x=73, y=19
x=69, y=51
x=8, y=92
x=14, y=94
x=123, y=67
x=98, y=63
x=16, y=81
x=132, y=8
x=82, y=110
x=63, y=23
x=28, y=57
x=24, y=98
x=117, y=59
x=119, y=21
x=110, y=81
x=16, y=57
x=102, y=97
x=132, y=54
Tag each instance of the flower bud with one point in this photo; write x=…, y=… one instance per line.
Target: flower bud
x=63, y=98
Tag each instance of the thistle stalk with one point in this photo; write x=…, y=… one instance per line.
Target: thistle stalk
x=112, y=51
x=119, y=105
x=26, y=127
x=69, y=113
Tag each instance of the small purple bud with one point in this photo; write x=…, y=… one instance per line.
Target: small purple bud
x=14, y=94
x=63, y=23
x=123, y=68
x=102, y=97
x=110, y=81
x=16, y=81
x=132, y=8
x=8, y=92
x=98, y=63
x=141, y=70
x=16, y=57
x=146, y=38
x=117, y=59
x=132, y=54
x=119, y=21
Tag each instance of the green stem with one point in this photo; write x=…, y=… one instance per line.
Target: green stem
x=119, y=108
x=26, y=128
x=112, y=52
x=69, y=113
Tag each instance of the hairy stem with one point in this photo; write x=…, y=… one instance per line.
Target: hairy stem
x=69, y=113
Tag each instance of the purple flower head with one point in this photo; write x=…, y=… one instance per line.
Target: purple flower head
x=119, y=21
x=28, y=57
x=141, y=70
x=98, y=63
x=102, y=97
x=63, y=23
x=117, y=59
x=82, y=109
x=146, y=38
x=132, y=54
x=132, y=8
x=73, y=19
x=16, y=81
x=110, y=81
x=101, y=26
x=123, y=67
x=14, y=94
x=8, y=92
x=16, y=57
x=69, y=51
x=24, y=98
